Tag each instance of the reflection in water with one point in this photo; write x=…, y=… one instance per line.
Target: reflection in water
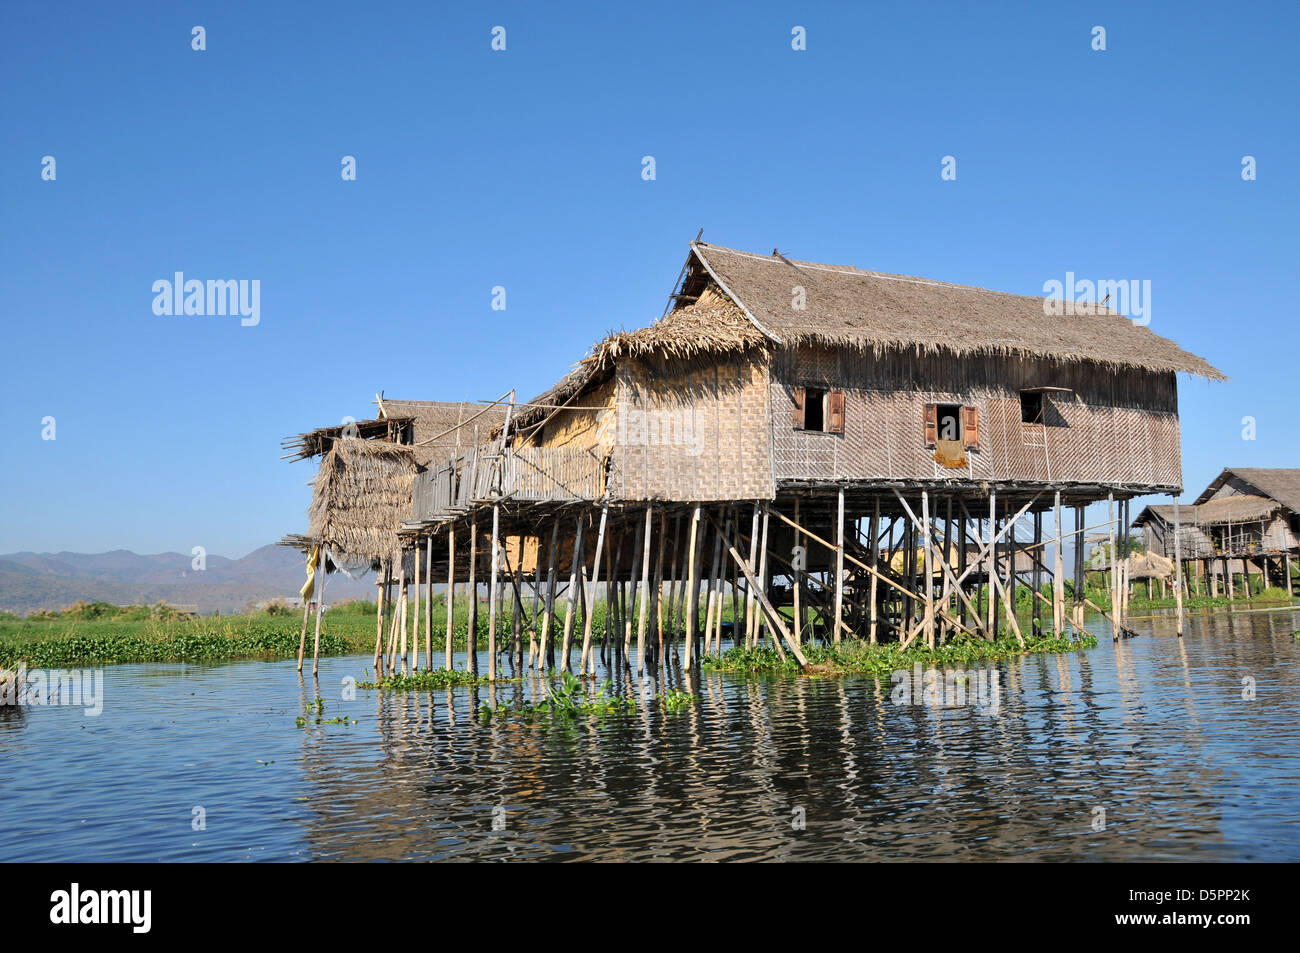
x=1153, y=730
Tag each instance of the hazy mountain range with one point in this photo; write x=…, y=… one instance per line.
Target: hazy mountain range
x=31, y=581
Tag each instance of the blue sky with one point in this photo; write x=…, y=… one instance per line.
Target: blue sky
x=522, y=168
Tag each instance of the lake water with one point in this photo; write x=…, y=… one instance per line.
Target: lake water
x=1152, y=731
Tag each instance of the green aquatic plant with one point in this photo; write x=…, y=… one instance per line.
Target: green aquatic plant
x=675, y=700
x=564, y=701
x=316, y=708
x=862, y=658
x=423, y=681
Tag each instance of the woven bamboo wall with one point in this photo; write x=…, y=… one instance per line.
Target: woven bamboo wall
x=692, y=434
x=1113, y=428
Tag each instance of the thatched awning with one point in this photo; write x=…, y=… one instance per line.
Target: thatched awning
x=361, y=496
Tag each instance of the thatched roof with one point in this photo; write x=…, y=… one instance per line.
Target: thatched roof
x=1241, y=508
x=361, y=496
x=432, y=428
x=849, y=307
x=1276, y=483
x=439, y=426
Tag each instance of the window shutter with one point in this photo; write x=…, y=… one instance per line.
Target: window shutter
x=970, y=426
x=931, y=424
x=835, y=411
x=797, y=396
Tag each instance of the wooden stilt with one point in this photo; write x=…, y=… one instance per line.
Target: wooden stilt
x=838, y=622
x=415, y=625
x=875, y=567
x=402, y=607
x=714, y=589
x=543, y=659
x=451, y=592
x=590, y=592
x=657, y=592
x=764, y=573
x=798, y=581
x=692, y=593
x=1058, y=573
x=302, y=636
x=571, y=596
x=428, y=606
x=993, y=563
x=1178, y=567
x=751, y=616
x=773, y=616
x=492, y=594
x=382, y=586
x=472, y=635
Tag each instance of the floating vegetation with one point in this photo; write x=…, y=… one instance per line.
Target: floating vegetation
x=675, y=700
x=185, y=644
x=564, y=702
x=315, y=715
x=423, y=681
x=862, y=658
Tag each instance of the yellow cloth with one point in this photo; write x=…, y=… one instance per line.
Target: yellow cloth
x=309, y=587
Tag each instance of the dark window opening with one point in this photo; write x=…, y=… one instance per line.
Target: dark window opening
x=948, y=421
x=1031, y=407
x=814, y=410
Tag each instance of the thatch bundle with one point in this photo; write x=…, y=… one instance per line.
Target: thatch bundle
x=362, y=495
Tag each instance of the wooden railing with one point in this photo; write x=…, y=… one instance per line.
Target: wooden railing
x=487, y=473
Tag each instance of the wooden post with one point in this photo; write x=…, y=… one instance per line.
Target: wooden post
x=382, y=585
x=773, y=616
x=517, y=619
x=797, y=581
x=587, y=667
x=403, y=608
x=692, y=593
x=415, y=626
x=926, y=537
x=639, y=543
x=471, y=645
x=1286, y=569
x=644, y=607
x=750, y=614
x=764, y=576
x=549, y=612
x=571, y=596
x=1058, y=573
x=1178, y=567
x=839, y=567
x=428, y=608
x=492, y=595
x=657, y=593
x=675, y=584
x=875, y=566
x=714, y=589
x=992, y=562
x=451, y=589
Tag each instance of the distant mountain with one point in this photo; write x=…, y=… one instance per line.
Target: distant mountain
x=30, y=581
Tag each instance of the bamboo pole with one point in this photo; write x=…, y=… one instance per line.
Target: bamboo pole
x=644, y=605
x=1178, y=567
x=428, y=605
x=875, y=564
x=839, y=567
x=992, y=563
x=926, y=536
x=570, y=597
x=774, y=617
x=750, y=614
x=714, y=589
x=542, y=659
x=763, y=574
x=590, y=591
x=451, y=590
x=302, y=636
x=692, y=593
x=382, y=586
x=797, y=581
x=657, y=593
x=471, y=644
x=1058, y=573
x=492, y=594
x=415, y=625
x=403, y=609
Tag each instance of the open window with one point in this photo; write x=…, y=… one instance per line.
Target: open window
x=818, y=410
x=1036, y=406
x=952, y=422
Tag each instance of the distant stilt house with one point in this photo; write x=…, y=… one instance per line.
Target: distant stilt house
x=798, y=435
x=1245, y=524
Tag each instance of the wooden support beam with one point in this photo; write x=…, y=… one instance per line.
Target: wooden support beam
x=451, y=594
x=571, y=595
x=587, y=667
x=839, y=567
x=692, y=591
x=774, y=618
